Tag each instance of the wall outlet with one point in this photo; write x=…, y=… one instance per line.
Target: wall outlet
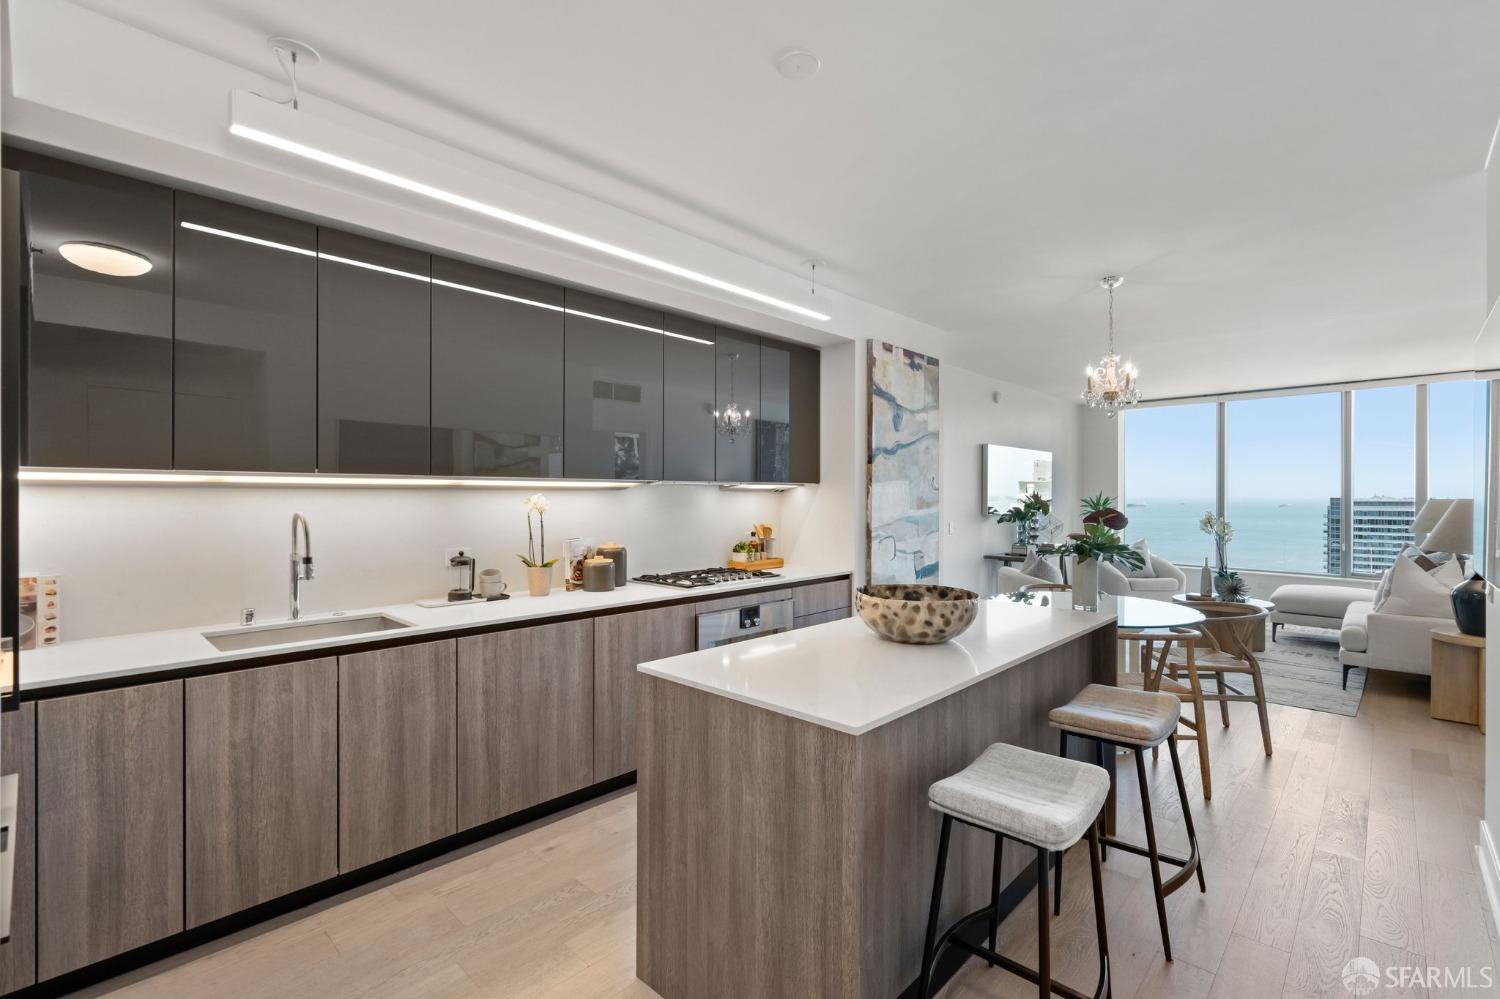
x=449, y=554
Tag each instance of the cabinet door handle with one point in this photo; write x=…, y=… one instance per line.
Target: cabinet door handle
x=10, y=786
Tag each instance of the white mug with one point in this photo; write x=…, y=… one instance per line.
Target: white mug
x=491, y=583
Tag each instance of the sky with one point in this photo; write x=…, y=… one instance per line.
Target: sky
x=1287, y=448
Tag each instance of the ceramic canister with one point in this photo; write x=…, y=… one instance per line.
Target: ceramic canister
x=598, y=574
x=615, y=552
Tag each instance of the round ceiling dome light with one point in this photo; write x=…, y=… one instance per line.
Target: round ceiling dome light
x=798, y=64
x=102, y=258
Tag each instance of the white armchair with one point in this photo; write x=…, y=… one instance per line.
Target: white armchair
x=1169, y=580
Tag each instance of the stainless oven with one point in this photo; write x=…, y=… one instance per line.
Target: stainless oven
x=740, y=624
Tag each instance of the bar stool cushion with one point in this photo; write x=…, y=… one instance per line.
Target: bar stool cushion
x=1119, y=714
x=1044, y=800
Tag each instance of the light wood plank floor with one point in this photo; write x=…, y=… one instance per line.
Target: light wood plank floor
x=1355, y=838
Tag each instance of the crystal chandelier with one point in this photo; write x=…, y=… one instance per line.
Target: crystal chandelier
x=731, y=421
x=1111, y=383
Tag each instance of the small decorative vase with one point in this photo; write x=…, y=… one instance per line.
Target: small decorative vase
x=539, y=580
x=1086, y=584
x=1468, y=605
x=1206, y=583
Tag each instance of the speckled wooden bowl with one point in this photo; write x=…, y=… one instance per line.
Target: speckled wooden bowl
x=916, y=613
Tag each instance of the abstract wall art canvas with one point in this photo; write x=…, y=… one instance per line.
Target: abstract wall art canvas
x=902, y=509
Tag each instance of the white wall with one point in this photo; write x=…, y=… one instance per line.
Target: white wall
x=1021, y=418
x=148, y=558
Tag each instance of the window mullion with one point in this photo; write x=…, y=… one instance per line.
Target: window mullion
x=1346, y=486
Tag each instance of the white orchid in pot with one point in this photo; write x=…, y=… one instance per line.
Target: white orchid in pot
x=538, y=565
x=1227, y=584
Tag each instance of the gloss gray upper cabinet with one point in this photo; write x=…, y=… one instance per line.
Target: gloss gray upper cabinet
x=688, y=400
x=613, y=390
x=773, y=424
x=374, y=356
x=806, y=411
x=497, y=373
x=246, y=384
x=98, y=346
x=738, y=381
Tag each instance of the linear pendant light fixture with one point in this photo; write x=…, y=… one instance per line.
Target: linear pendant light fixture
x=291, y=131
x=412, y=275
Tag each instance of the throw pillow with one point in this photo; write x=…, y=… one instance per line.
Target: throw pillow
x=1145, y=571
x=1424, y=561
x=1039, y=568
x=1383, y=591
x=1450, y=573
x=1414, y=593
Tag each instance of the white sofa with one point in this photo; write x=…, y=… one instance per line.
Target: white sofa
x=1166, y=583
x=1376, y=641
x=1169, y=580
x=1386, y=641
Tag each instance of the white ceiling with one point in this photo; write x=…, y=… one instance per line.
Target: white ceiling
x=1292, y=189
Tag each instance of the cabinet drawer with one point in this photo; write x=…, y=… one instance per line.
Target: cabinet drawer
x=817, y=598
x=808, y=620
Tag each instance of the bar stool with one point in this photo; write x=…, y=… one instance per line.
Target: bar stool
x=1135, y=720
x=1041, y=801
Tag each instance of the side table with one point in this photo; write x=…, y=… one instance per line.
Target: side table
x=1457, y=677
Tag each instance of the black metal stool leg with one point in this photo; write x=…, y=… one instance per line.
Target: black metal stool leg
x=1043, y=927
x=1057, y=884
x=1105, y=988
x=1099, y=759
x=1187, y=813
x=1161, y=899
x=928, y=954
x=995, y=892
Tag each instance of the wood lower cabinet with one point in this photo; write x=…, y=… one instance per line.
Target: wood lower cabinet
x=525, y=718
x=396, y=751
x=621, y=643
x=18, y=754
x=109, y=823
x=261, y=785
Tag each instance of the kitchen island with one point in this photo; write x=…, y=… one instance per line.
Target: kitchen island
x=785, y=842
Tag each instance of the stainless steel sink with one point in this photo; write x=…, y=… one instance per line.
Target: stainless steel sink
x=239, y=639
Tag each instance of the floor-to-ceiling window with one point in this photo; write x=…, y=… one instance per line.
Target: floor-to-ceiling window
x=1170, y=478
x=1281, y=479
x=1384, y=469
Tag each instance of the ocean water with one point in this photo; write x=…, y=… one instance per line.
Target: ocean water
x=1273, y=535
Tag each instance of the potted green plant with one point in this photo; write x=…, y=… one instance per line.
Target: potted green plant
x=1093, y=545
x=538, y=566
x=1100, y=509
x=1025, y=516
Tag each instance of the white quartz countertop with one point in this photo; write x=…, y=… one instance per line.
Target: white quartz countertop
x=841, y=676
x=96, y=659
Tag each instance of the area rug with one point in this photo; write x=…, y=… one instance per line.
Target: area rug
x=1301, y=669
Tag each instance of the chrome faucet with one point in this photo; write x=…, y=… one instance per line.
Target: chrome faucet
x=302, y=565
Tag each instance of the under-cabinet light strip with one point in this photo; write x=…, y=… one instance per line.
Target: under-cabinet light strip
x=50, y=476
x=513, y=218
x=197, y=227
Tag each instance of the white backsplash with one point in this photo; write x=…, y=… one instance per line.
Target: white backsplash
x=148, y=558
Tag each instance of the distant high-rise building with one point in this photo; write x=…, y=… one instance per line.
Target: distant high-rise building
x=1380, y=526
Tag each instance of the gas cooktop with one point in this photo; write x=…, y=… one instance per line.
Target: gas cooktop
x=694, y=578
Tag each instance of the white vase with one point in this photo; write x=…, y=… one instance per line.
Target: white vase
x=1086, y=584
x=1206, y=584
